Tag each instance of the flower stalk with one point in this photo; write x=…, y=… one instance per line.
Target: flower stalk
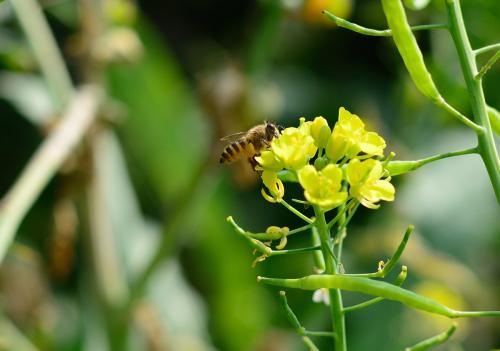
x=486, y=142
x=336, y=305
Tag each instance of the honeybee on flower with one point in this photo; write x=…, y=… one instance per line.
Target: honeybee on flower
x=332, y=165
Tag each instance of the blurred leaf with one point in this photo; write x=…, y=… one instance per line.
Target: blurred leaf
x=178, y=311
x=164, y=131
x=29, y=95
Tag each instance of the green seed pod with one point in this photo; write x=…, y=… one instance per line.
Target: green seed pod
x=401, y=167
x=408, y=48
x=366, y=286
x=494, y=117
x=319, y=260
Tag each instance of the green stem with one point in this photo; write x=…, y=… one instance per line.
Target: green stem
x=401, y=167
x=271, y=236
x=434, y=341
x=292, y=318
x=339, y=215
x=336, y=306
x=391, y=263
x=294, y=251
x=441, y=102
x=486, y=49
x=296, y=212
x=486, y=142
x=487, y=66
x=45, y=49
x=377, y=32
x=309, y=344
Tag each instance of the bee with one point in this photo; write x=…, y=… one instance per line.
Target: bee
x=250, y=143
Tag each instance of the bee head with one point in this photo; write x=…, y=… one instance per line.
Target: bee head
x=272, y=131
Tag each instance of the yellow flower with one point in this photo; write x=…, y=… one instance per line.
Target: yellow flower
x=274, y=185
x=349, y=138
x=366, y=184
x=294, y=147
x=322, y=188
x=282, y=232
x=268, y=160
x=320, y=131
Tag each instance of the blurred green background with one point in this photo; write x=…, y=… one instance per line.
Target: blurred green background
x=180, y=75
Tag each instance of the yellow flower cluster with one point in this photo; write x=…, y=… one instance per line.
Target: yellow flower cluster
x=346, y=165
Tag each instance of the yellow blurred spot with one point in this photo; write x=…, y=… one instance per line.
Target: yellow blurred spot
x=313, y=10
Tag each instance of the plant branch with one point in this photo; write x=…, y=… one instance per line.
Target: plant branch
x=336, y=306
x=294, y=321
x=377, y=32
x=401, y=167
x=39, y=35
x=276, y=236
x=486, y=142
x=12, y=338
x=296, y=212
x=486, y=49
x=44, y=164
x=309, y=343
x=391, y=263
x=441, y=102
x=434, y=341
x=487, y=66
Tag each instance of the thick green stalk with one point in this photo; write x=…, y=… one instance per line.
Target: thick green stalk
x=336, y=306
x=486, y=143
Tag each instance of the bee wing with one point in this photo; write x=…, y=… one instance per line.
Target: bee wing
x=233, y=137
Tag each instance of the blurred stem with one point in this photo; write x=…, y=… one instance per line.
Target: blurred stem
x=434, y=341
x=45, y=162
x=264, y=38
x=377, y=32
x=309, y=343
x=39, y=35
x=336, y=307
x=12, y=338
x=486, y=142
x=487, y=66
x=199, y=187
x=108, y=270
x=486, y=49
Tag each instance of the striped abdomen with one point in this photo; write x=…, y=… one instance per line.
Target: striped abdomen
x=236, y=150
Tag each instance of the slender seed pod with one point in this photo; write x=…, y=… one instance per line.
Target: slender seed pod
x=408, y=48
x=376, y=288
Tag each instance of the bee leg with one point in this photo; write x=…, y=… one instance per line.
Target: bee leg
x=253, y=162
